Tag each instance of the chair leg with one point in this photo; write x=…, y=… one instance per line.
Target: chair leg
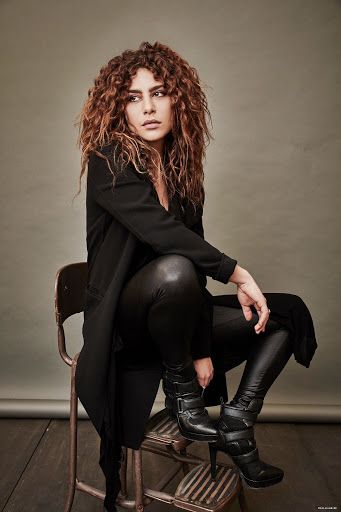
x=123, y=473
x=72, y=442
x=138, y=481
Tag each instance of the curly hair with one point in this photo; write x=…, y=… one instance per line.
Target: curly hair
x=102, y=121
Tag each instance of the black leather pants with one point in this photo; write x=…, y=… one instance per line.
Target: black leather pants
x=157, y=312
x=265, y=354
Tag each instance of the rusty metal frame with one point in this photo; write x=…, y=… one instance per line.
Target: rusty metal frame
x=143, y=495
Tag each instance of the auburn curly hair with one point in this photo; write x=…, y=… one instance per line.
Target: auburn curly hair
x=102, y=121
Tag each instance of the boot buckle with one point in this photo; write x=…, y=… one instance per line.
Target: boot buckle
x=179, y=403
x=186, y=404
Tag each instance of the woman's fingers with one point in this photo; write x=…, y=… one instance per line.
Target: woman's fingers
x=247, y=312
x=249, y=293
x=204, y=382
x=263, y=313
x=205, y=370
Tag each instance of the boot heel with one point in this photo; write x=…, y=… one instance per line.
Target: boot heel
x=213, y=460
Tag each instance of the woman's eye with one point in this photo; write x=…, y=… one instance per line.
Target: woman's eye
x=131, y=98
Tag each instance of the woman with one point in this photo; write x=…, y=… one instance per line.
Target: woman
x=148, y=313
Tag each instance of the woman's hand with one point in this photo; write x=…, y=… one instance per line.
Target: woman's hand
x=249, y=294
x=205, y=370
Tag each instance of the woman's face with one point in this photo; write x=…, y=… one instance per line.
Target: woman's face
x=148, y=100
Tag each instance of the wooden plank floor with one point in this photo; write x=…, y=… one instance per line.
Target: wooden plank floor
x=34, y=456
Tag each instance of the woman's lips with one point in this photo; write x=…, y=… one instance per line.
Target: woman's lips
x=150, y=126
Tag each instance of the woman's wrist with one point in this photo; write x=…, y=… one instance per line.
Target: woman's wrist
x=240, y=275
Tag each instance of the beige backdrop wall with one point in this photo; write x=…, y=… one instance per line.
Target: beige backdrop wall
x=272, y=71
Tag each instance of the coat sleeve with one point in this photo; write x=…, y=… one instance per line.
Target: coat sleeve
x=201, y=343
x=198, y=228
x=132, y=202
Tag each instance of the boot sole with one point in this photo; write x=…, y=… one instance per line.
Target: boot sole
x=254, y=484
x=198, y=437
x=193, y=437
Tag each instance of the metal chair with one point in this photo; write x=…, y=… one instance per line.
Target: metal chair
x=196, y=491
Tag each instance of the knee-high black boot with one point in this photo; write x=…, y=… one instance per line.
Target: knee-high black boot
x=236, y=420
x=184, y=402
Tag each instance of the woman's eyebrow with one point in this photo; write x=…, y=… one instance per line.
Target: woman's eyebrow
x=151, y=89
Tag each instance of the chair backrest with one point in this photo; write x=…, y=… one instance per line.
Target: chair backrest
x=70, y=288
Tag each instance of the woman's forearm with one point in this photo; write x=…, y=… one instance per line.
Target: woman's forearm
x=240, y=275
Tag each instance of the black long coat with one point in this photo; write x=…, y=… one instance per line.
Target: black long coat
x=118, y=218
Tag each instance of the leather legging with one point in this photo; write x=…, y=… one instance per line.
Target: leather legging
x=157, y=313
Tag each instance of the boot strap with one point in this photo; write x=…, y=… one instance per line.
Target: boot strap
x=181, y=387
x=185, y=404
x=239, y=434
x=247, y=457
x=239, y=413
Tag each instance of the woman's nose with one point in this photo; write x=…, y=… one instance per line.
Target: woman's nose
x=148, y=105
